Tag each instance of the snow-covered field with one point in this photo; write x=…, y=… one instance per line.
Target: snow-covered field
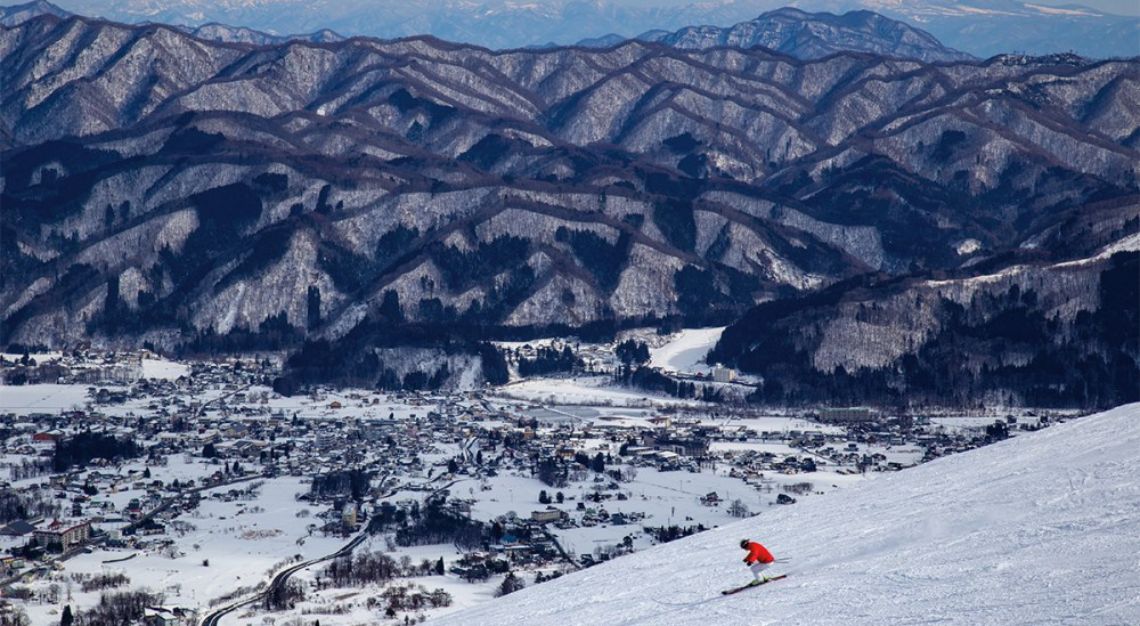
x=686, y=352
x=1040, y=529
x=164, y=369
x=42, y=398
x=596, y=391
x=241, y=540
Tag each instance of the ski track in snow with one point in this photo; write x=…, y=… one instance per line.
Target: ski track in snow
x=1040, y=529
x=686, y=353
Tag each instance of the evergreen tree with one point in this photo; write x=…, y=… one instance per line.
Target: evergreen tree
x=313, y=317
x=599, y=463
x=551, y=472
x=510, y=584
x=632, y=352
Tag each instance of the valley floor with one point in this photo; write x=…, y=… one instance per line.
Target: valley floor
x=255, y=523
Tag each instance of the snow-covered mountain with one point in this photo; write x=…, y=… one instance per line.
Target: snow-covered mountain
x=239, y=34
x=17, y=14
x=814, y=35
x=979, y=27
x=1040, y=529
x=1012, y=334
x=790, y=31
x=159, y=187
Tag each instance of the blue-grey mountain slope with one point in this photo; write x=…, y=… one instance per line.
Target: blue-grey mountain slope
x=816, y=35
x=163, y=188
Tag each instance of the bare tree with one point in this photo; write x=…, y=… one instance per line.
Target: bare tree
x=738, y=509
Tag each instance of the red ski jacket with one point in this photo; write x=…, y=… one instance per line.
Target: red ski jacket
x=757, y=552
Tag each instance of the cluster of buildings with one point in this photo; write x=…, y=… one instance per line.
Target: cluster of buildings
x=79, y=366
x=222, y=417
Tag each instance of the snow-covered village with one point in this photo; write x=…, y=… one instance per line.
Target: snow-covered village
x=569, y=313
x=196, y=490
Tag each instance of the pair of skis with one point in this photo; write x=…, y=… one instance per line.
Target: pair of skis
x=729, y=592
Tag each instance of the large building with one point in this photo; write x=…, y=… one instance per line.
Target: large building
x=549, y=515
x=65, y=536
x=723, y=374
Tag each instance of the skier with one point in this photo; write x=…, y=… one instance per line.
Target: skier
x=758, y=560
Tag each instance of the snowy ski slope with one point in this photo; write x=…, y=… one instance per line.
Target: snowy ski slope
x=1040, y=529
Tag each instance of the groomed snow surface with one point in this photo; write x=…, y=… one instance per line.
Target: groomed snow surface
x=686, y=353
x=1040, y=529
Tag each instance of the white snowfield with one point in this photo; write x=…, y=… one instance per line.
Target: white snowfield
x=1040, y=529
x=686, y=353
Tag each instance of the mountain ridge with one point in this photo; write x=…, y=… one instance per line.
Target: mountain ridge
x=14, y=15
x=816, y=35
x=984, y=28
x=1027, y=334
x=161, y=188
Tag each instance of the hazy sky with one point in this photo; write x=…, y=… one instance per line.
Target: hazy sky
x=1119, y=7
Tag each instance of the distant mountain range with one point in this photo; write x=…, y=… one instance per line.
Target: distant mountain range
x=809, y=36
x=17, y=14
x=981, y=28
x=238, y=34
x=358, y=194
x=790, y=31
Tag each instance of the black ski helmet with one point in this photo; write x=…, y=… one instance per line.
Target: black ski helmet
x=744, y=543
